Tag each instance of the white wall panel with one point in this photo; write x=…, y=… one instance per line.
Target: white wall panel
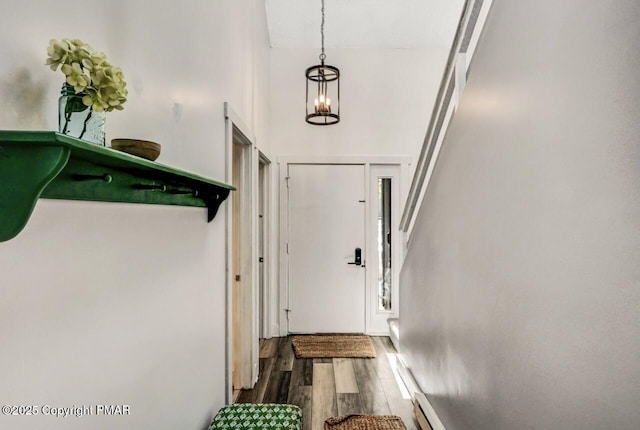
x=115, y=303
x=519, y=292
x=386, y=97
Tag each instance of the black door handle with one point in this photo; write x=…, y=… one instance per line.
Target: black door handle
x=358, y=257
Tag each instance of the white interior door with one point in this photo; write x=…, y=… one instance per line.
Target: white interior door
x=326, y=225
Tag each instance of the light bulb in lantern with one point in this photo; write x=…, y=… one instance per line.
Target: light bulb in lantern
x=322, y=98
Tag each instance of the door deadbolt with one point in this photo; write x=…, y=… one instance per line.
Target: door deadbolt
x=358, y=258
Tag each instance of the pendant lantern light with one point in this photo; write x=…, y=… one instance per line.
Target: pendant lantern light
x=323, y=89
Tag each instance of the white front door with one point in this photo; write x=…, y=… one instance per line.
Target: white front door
x=326, y=226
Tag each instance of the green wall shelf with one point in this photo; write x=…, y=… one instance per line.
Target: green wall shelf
x=35, y=164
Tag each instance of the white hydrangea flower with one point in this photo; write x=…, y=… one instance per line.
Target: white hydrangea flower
x=89, y=72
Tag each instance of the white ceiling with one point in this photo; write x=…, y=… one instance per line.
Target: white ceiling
x=363, y=23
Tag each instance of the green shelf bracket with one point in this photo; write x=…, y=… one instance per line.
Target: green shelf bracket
x=24, y=174
x=40, y=164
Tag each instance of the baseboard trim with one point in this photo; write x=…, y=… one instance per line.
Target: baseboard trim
x=422, y=403
x=378, y=333
x=425, y=414
x=407, y=377
x=423, y=422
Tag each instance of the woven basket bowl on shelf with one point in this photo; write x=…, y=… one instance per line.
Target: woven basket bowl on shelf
x=141, y=148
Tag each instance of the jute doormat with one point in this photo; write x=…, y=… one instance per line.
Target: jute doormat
x=364, y=422
x=333, y=346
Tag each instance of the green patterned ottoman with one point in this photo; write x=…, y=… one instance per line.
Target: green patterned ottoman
x=249, y=416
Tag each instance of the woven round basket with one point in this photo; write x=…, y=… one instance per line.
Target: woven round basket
x=364, y=422
x=141, y=148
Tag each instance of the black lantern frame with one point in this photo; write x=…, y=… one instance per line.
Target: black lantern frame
x=323, y=81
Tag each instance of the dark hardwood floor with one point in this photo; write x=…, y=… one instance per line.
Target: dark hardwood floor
x=329, y=387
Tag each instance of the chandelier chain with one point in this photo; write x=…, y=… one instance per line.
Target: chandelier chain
x=322, y=55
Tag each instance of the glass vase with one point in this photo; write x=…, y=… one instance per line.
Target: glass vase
x=75, y=119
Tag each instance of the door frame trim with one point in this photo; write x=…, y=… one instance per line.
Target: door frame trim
x=283, y=167
x=233, y=121
x=345, y=159
x=265, y=312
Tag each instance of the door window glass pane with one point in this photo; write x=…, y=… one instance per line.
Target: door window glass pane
x=384, y=244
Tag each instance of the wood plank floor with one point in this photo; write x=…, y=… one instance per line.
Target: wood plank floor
x=325, y=387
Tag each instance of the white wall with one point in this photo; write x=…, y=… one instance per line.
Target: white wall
x=386, y=98
x=520, y=298
x=115, y=303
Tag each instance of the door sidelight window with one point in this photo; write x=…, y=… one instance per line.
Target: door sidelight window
x=384, y=244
